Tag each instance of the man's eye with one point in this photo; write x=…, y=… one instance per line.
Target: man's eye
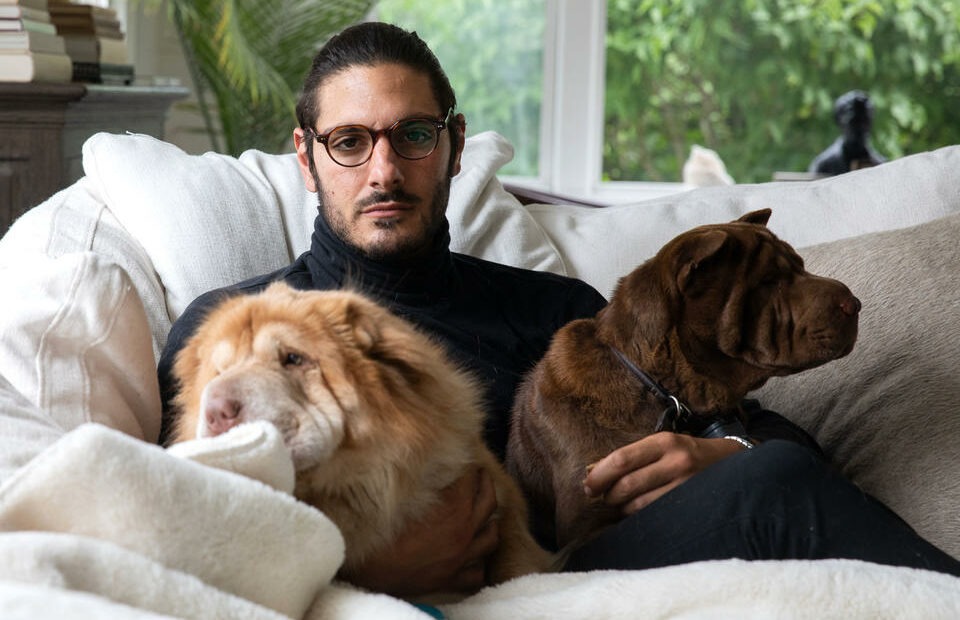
x=345, y=144
x=349, y=142
x=418, y=133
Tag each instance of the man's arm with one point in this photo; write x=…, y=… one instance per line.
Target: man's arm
x=635, y=475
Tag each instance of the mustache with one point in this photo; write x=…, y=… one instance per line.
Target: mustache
x=395, y=196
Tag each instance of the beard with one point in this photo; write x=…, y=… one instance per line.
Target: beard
x=397, y=247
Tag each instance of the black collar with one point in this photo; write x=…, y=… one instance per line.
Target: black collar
x=678, y=417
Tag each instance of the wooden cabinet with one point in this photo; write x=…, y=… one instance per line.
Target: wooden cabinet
x=43, y=127
x=31, y=155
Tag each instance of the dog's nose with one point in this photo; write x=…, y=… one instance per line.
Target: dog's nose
x=222, y=413
x=850, y=306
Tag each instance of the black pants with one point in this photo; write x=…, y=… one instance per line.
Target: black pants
x=777, y=501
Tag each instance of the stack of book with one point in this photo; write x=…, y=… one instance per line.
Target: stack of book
x=93, y=40
x=30, y=50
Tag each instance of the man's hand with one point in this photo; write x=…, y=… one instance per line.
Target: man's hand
x=446, y=551
x=636, y=474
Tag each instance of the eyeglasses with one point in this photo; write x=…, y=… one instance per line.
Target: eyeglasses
x=410, y=138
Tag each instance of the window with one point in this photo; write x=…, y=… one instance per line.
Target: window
x=604, y=100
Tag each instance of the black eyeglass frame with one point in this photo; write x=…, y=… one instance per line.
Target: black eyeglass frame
x=440, y=123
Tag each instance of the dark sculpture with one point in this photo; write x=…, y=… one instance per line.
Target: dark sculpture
x=853, y=112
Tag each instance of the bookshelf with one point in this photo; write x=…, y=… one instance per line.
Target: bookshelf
x=44, y=125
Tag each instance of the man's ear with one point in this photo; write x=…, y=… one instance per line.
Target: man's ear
x=303, y=158
x=459, y=126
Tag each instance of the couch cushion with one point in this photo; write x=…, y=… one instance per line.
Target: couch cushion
x=889, y=414
x=601, y=245
x=80, y=350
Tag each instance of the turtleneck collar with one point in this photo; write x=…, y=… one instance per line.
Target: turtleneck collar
x=422, y=281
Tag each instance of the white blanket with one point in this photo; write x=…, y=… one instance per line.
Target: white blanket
x=102, y=525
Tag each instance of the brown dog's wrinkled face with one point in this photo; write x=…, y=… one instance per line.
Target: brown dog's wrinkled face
x=741, y=302
x=300, y=360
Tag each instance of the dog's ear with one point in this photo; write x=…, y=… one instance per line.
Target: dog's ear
x=359, y=316
x=384, y=337
x=760, y=216
x=644, y=303
x=696, y=251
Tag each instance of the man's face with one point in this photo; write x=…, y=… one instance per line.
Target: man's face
x=388, y=207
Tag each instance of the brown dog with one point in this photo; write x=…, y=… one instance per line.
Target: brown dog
x=377, y=419
x=718, y=311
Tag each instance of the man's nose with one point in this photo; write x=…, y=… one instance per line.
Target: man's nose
x=385, y=170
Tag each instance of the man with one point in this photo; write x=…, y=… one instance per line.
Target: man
x=378, y=141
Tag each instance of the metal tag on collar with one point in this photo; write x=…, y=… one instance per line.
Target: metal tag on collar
x=676, y=412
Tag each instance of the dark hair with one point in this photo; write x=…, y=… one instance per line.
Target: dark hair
x=369, y=44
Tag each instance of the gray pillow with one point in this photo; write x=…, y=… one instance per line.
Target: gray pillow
x=888, y=414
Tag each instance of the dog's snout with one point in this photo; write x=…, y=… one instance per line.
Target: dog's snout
x=222, y=413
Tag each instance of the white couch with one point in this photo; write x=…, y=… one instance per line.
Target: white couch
x=97, y=522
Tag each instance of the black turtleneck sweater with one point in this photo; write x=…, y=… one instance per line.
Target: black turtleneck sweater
x=497, y=321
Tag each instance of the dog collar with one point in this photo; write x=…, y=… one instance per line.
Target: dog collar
x=676, y=414
x=678, y=417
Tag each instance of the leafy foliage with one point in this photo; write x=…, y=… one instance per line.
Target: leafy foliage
x=252, y=56
x=756, y=80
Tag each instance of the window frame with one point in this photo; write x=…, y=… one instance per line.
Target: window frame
x=574, y=84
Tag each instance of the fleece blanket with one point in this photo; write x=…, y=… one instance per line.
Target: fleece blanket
x=102, y=525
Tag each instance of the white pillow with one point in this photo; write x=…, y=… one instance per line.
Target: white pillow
x=205, y=221
x=601, y=245
x=77, y=345
x=489, y=222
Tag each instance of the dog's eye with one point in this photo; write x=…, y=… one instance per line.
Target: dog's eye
x=292, y=359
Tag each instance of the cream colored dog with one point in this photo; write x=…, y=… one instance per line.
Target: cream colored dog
x=377, y=419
